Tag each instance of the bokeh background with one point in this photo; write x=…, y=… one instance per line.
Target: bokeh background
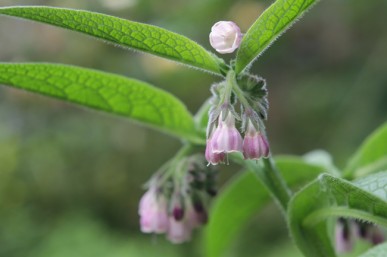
x=71, y=178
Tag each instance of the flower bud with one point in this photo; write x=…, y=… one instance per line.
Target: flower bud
x=177, y=206
x=225, y=37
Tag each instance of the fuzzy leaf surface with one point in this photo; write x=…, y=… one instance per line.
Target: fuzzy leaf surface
x=134, y=35
x=311, y=209
x=115, y=94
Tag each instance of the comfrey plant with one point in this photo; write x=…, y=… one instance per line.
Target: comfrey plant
x=332, y=211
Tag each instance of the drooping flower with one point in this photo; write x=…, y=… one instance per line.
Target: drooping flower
x=179, y=231
x=344, y=240
x=225, y=37
x=255, y=144
x=175, y=201
x=196, y=214
x=226, y=138
x=211, y=156
x=370, y=233
x=153, y=212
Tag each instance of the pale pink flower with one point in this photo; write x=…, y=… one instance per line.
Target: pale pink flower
x=225, y=37
x=179, y=231
x=196, y=215
x=153, y=212
x=211, y=157
x=226, y=137
x=344, y=240
x=255, y=144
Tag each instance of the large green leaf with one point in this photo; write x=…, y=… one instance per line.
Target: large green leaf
x=371, y=156
x=311, y=208
x=251, y=196
x=111, y=93
x=139, y=36
x=267, y=28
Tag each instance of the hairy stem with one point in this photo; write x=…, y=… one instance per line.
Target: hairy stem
x=320, y=215
x=275, y=183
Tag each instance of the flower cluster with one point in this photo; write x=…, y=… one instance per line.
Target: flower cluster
x=347, y=231
x=222, y=135
x=175, y=202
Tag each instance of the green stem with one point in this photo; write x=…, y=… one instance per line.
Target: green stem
x=237, y=91
x=322, y=214
x=275, y=183
x=268, y=172
x=228, y=89
x=172, y=164
x=270, y=177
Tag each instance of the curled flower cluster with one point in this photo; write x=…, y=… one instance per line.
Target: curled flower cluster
x=222, y=135
x=348, y=231
x=175, y=204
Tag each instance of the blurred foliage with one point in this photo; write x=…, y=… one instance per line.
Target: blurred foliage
x=70, y=179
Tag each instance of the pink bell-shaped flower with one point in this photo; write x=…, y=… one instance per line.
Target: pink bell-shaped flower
x=153, y=212
x=225, y=37
x=211, y=157
x=255, y=144
x=179, y=231
x=344, y=240
x=226, y=138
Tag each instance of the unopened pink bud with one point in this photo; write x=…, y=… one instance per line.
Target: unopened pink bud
x=226, y=138
x=225, y=37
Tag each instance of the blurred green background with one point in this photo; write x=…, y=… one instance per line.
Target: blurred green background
x=71, y=178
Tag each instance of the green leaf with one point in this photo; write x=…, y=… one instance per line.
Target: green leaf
x=138, y=36
x=311, y=208
x=371, y=156
x=377, y=251
x=267, y=28
x=103, y=91
x=251, y=196
x=375, y=184
x=323, y=159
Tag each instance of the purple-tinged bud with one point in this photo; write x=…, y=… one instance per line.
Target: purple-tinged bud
x=225, y=37
x=177, y=207
x=343, y=236
x=179, y=231
x=370, y=233
x=226, y=137
x=375, y=235
x=153, y=212
x=195, y=218
x=178, y=213
x=211, y=157
x=255, y=144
